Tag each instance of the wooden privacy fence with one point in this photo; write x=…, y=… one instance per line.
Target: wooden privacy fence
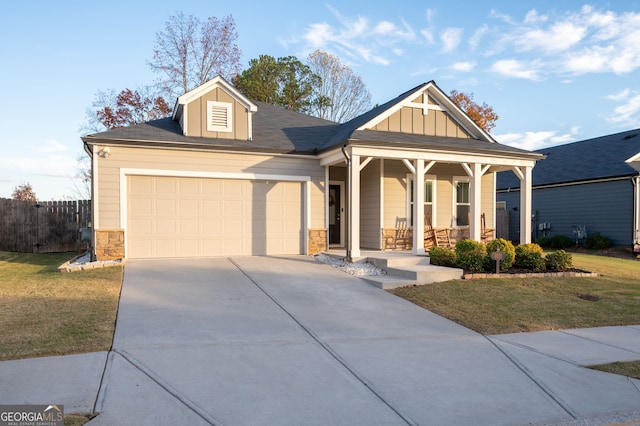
x=43, y=226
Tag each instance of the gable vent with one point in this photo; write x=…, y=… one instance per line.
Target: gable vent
x=219, y=116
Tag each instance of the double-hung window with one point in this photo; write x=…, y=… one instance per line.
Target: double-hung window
x=462, y=197
x=429, y=197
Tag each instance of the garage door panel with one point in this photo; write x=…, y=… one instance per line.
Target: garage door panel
x=188, y=217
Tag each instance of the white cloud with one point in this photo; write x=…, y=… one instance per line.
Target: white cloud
x=517, y=69
x=477, y=36
x=467, y=66
x=560, y=37
x=533, y=141
x=627, y=114
x=450, y=39
x=51, y=146
x=360, y=38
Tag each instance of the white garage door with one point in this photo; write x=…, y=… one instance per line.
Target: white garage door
x=190, y=217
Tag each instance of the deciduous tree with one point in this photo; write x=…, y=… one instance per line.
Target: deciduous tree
x=483, y=115
x=285, y=82
x=111, y=110
x=190, y=52
x=341, y=95
x=24, y=192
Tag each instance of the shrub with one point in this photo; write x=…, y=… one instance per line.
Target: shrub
x=442, y=256
x=543, y=241
x=504, y=246
x=597, y=242
x=559, y=261
x=470, y=255
x=560, y=242
x=530, y=256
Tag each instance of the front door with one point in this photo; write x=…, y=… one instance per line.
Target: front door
x=335, y=214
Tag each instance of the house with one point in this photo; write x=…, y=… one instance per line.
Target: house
x=582, y=188
x=229, y=176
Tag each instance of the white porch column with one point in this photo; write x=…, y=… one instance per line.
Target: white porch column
x=475, y=201
x=418, y=207
x=354, y=205
x=525, y=205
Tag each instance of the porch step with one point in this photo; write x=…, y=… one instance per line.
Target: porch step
x=410, y=270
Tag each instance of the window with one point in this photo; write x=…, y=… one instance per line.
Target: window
x=462, y=200
x=429, y=196
x=219, y=116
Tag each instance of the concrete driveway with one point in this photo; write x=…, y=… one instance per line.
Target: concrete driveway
x=264, y=340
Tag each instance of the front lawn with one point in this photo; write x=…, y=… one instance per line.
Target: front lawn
x=509, y=305
x=44, y=312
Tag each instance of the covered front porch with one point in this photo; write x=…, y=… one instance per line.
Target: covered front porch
x=376, y=190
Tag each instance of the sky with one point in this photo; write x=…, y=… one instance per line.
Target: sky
x=554, y=71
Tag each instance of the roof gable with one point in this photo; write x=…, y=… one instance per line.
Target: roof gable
x=412, y=109
x=215, y=109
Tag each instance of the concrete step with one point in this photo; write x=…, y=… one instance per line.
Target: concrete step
x=399, y=261
x=414, y=275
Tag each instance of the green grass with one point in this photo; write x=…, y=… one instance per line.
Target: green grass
x=44, y=312
x=508, y=305
x=629, y=369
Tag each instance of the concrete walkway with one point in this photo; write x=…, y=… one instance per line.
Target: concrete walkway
x=290, y=341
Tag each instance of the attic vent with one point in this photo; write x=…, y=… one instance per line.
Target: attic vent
x=219, y=116
x=633, y=135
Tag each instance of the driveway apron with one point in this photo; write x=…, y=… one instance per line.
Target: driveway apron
x=265, y=340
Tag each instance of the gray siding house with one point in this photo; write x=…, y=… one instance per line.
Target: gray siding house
x=581, y=188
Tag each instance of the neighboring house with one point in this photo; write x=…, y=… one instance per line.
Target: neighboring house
x=229, y=176
x=592, y=184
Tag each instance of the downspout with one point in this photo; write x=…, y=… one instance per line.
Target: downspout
x=89, y=150
x=636, y=209
x=347, y=227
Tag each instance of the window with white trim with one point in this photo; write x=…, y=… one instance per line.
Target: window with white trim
x=429, y=197
x=462, y=200
x=219, y=117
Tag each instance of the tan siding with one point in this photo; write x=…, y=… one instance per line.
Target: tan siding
x=141, y=158
x=418, y=121
x=394, y=122
x=441, y=123
x=241, y=121
x=452, y=127
x=370, y=206
x=406, y=120
x=193, y=111
x=430, y=123
x=395, y=192
x=487, y=206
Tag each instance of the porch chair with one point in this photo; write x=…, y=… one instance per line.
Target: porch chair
x=435, y=237
x=486, y=234
x=403, y=236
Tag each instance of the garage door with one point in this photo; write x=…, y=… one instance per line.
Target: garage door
x=187, y=217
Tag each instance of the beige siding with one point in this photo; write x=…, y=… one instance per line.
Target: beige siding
x=197, y=117
x=413, y=120
x=194, y=161
x=395, y=192
x=370, y=236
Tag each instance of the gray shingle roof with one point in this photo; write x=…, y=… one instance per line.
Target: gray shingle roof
x=598, y=158
x=283, y=131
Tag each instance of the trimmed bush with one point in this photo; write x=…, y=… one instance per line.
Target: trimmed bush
x=559, y=261
x=442, y=256
x=531, y=257
x=597, y=242
x=543, y=241
x=560, y=242
x=504, y=246
x=470, y=255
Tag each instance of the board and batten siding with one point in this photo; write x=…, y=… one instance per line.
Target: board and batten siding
x=370, y=234
x=198, y=161
x=604, y=207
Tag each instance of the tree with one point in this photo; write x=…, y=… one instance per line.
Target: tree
x=126, y=108
x=190, y=52
x=285, y=82
x=24, y=192
x=341, y=95
x=483, y=115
